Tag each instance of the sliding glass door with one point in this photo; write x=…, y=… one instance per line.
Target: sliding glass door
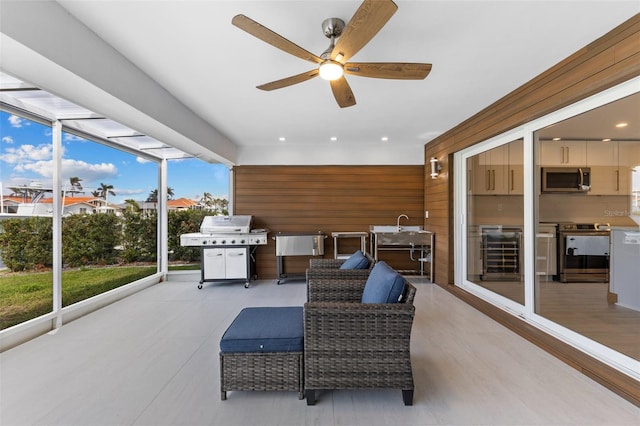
x=547, y=224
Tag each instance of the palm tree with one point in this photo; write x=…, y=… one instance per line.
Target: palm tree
x=153, y=195
x=105, y=190
x=206, y=200
x=132, y=205
x=75, y=184
x=95, y=193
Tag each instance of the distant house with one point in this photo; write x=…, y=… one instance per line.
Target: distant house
x=179, y=204
x=71, y=205
x=183, y=204
x=10, y=203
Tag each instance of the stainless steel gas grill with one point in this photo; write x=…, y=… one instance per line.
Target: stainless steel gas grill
x=297, y=244
x=228, y=247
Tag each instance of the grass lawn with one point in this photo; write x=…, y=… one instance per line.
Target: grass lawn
x=29, y=295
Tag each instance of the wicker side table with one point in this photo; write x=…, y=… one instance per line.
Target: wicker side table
x=262, y=350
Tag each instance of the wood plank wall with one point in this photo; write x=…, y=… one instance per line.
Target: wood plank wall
x=327, y=199
x=608, y=61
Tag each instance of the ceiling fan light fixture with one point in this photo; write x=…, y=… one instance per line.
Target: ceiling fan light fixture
x=331, y=70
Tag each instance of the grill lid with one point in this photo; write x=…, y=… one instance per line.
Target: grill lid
x=240, y=224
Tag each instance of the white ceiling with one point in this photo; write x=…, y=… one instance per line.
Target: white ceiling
x=480, y=51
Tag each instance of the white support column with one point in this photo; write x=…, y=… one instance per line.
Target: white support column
x=56, y=140
x=232, y=180
x=163, y=219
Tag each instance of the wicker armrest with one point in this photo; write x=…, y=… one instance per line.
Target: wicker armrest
x=332, y=274
x=355, y=345
x=318, y=263
x=335, y=290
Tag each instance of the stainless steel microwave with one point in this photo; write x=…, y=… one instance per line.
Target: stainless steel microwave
x=566, y=179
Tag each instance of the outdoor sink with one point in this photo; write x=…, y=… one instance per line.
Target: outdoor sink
x=390, y=228
x=406, y=236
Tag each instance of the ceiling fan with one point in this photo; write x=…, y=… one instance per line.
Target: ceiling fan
x=370, y=17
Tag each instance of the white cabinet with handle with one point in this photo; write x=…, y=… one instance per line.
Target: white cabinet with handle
x=563, y=153
x=611, y=164
x=220, y=263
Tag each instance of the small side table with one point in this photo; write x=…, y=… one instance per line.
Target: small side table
x=338, y=235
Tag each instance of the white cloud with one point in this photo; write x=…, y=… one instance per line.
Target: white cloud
x=88, y=172
x=7, y=139
x=70, y=137
x=85, y=171
x=15, y=121
x=26, y=153
x=141, y=160
x=123, y=192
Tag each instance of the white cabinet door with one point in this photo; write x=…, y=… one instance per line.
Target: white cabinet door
x=611, y=165
x=490, y=171
x=236, y=263
x=563, y=153
x=213, y=263
x=515, y=172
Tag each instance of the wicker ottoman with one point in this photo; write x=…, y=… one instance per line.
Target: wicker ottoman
x=263, y=350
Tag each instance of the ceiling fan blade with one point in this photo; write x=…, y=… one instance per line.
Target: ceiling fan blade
x=393, y=70
x=274, y=39
x=370, y=17
x=289, y=81
x=342, y=92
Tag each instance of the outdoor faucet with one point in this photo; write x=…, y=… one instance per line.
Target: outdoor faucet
x=398, y=221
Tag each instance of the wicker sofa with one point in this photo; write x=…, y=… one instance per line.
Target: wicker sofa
x=349, y=344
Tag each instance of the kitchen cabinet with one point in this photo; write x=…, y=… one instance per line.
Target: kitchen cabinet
x=499, y=171
x=490, y=171
x=474, y=253
x=563, y=153
x=546, y=252
x=611, y=164
x=515, y=171
x=224, y=263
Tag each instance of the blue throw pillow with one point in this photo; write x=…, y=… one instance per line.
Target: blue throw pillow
x=356, y=261
x=384, y=285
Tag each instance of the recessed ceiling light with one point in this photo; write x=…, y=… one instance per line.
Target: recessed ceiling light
x=606, y=140
x=556, y=139
x=622, y=124
x=384, y=138
x=333, y=138
x=282, y=139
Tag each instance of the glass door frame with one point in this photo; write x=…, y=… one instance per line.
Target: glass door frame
x=461, y=178
x=527, y=312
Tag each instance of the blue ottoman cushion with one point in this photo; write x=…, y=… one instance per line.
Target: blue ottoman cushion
x=356, y=261
x=265, y=329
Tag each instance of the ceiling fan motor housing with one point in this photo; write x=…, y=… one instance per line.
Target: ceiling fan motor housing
x=332, y=27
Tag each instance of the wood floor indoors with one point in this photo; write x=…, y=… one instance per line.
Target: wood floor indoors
x=583, y=308
x=152, y=359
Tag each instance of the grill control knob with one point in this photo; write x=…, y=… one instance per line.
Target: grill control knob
x=204, y=242
x=213, y=242
x=233, y=241
x=224, y=241
x=241, y=241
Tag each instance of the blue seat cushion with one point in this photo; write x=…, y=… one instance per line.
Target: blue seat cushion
x=384, y=285
x=356, y=261
x=265, y=329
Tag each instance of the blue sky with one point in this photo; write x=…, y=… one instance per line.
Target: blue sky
x=26, y=152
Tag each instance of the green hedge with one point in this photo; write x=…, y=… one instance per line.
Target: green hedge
x=95, y=239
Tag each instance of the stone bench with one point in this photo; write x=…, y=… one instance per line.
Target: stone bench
x=262, y=350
